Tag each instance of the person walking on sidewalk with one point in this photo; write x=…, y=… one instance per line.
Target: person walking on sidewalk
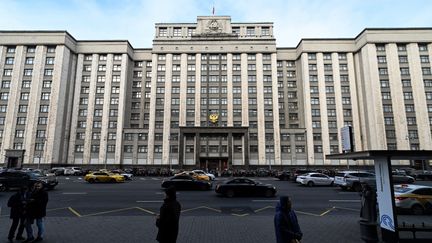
x=36, y=211
x=168, y=219
x=17, y=203
x=286, y=223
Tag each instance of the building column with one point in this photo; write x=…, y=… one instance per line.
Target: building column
x=262, y=160
x=275, y=99
x=397, y=97
x=310, y=156
x=151, y=129
x=33, y=106
x=167, y=110
x=90, y=110
x=338, y=98
x=75, y=110
x=244, y=89
x=106, y=110
x=230, y=120
x=354, y=103
x=198, y=90
x=183, y=89
x=118, y=157
x=372, y=99
x=420, y=104
x=323, y=108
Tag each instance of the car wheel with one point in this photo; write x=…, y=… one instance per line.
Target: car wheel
x=286, y=178
x=3, y=188
x=332, y=183
x=357, y=187
x=269, y=193
x=344, y=188
x=113, y=180
x=310, y=184
x=91, y=181
x=410, y=181
x=229, y=193
x=417, y=209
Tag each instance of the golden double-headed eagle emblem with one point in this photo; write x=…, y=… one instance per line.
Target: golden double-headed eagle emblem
x=214, y=118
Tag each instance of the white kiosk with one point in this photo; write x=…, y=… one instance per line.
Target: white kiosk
x=387, y=219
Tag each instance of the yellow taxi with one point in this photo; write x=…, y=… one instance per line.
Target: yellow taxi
x=102, y=176
x=415, y=198
x=197, y=176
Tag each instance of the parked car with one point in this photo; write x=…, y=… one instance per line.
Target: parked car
x=283, y=175
x=58, y=170
x=201, y=172
x=353, y=180
x=194, y=175
x=315, y=179
x=127, y=176
x=103, y=177
x=300, y=172
x=399, y=177
x=16, y=179
x=245, y=187
x=186, y=182
x=415, y=199
x=73, y=171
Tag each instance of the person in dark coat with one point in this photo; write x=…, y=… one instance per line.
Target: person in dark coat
x=286, y=223
x=168, y=219
x=36, y=211
x=17, y=203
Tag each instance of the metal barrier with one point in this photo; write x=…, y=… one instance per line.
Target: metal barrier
x=414, y=230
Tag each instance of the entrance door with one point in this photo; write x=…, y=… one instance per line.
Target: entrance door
x=12, y=162
x=213, y=164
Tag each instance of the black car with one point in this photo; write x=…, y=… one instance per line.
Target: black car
x=186, y=182
x=283, y=175
x=16, y=179
x=245, y=187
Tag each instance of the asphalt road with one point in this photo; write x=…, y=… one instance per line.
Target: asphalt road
x=73, y=197
x=77, y=206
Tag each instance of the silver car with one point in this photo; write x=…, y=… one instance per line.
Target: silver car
x=312, y=179
x=354, y=179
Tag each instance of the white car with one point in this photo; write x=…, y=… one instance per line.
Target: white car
x=414, y=198
x=73, y=171
x=201, y=172
x=312, y=179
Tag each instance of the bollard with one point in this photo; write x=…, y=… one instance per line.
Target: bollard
x=368, y=231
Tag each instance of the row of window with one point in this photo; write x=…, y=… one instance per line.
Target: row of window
x=403, y=59
x=405, y=71
x=25, y=96
x=402, y=47
x=28, y=72
x=102, y=57
x=29, y=60
x=30, y=49
x=190, y=31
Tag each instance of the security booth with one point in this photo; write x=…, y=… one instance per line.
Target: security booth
x=14, y=158
x=387, y=219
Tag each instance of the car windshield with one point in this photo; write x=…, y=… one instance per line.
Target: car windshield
x=401, y=189
x=35, y=174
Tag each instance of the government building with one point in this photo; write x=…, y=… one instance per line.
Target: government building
x=211, y=94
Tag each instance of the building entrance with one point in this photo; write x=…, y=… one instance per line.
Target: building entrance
x=216, y=164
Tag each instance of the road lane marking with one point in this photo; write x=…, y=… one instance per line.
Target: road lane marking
x=205, y=207
x=158, y=201
x=343, y=200
x=268, y=200
x=75, y=212
x=306, y=213
x=110, y=211
x=145, y=210
x=350, y=209
x=328, y=211
x=264, y=208
x=74, y=193
x=349, y=193
x=240, y=215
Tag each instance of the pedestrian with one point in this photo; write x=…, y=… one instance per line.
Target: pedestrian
x=17, y=203
x=36, y=212
x=168, y=219
x=286, y=223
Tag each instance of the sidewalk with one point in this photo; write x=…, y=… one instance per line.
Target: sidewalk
x=214, y=229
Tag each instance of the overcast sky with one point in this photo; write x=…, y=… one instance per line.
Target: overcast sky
x=134, y=20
